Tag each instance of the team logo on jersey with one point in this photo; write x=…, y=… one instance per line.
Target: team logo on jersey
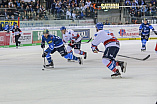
x=122, y=32
x=50, y=42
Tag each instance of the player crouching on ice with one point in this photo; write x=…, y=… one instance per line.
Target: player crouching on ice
x=111, y=49
x=55, y=44
x=144, y=32
x=75, y=41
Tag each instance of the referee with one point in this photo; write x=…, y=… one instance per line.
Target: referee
x=17, y=32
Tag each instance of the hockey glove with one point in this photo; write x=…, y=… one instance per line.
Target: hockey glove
x=42, y=45
x=95, y=49
x=155, y=32
x=44, y=54
x=71, y=43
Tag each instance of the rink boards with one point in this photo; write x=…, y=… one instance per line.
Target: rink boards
x=32, y=36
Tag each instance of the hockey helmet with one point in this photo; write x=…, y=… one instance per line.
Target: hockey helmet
x=62, y=28
x=145, y=19
x=46, y=31
x=99, y=26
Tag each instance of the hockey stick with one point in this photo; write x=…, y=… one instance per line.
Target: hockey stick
x=44, y=59
x=132, y=57
x=82, y=43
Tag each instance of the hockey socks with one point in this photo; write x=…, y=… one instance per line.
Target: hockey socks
x=143, y=44
x=70, y=56
x=48, y=57
x=111, y=64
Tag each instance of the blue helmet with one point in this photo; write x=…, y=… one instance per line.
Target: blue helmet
x=99, y=26
x=62, y=28
x=46, y=31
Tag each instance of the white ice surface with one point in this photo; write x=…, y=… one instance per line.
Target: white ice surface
x=23, y=82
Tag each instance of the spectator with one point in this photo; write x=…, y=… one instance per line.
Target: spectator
x=88, y=2
x=7, y=17
x=18, y=3
x=141, y=2
x=132, y=12
x=68, y=14
x=74, y=15
x=12, y=17
x=25, y=19
x=127, y=2
x=134, y=4
x=5, y=13
x=152, y=1
x=88, y=13
x=23, y=3
x=107, y=23
x=10, y=4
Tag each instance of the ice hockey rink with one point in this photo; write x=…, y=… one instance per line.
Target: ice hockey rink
x=22, y=80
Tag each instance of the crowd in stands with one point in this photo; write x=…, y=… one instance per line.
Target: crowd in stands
x=12, y=9
x=63, y=9
x=141, y=8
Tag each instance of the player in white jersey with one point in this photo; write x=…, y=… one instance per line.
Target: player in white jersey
x=111, y=49
x=75, y=41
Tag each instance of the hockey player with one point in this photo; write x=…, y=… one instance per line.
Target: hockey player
x=55, y=44
x=17, y=32
x=75, y=41
x=111, y=49
x=144, y=32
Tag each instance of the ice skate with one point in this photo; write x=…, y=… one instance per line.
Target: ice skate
x=143, y=49
x=116, y=74
x=50, y=65
x=69, y=60
x=123, y=65
x=85, y=55
x=16, y=47
x=80, y=60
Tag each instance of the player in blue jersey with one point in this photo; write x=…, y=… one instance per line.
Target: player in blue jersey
x=144, y=32
x=55, y=44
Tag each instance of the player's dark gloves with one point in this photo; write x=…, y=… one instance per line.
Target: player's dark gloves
x=44, y=54
x=42, y=45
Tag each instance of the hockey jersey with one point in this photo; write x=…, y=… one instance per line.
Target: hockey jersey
x=16, y=31
x=53, y=40
x=70, y=35
x=145, y=28
x=105, y=37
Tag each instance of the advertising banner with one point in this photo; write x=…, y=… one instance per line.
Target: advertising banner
x=7, y=22
x=26, y=38
x=84, y=33
x=38, y=34
x=4, y=38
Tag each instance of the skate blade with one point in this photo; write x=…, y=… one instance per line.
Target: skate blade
x=124, y=70
x=48, y=67
x=116, y=77
x=71, y=61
